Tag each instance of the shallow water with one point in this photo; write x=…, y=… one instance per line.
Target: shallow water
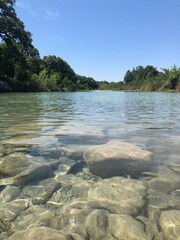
x=149, y=119
x=45, y=127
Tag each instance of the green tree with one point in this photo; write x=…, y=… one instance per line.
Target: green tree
x=12, y=29
x=174, y=77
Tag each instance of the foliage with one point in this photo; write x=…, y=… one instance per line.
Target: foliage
x=149, y=79
x=16, y=50
x=22, y=69
x=104, y=85
x=86, y=83
x=11, y=27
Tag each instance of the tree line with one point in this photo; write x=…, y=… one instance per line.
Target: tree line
x=22, y=68
x=146, y=79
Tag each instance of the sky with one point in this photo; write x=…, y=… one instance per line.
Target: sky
x=105, y=38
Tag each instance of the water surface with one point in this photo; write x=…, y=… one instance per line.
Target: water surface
x=150, y=120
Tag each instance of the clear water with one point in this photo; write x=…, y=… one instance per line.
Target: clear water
x=42, y=124
x=148, y=119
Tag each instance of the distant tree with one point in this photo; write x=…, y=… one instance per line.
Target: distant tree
x=150, y=71
x=86, y=83
x=129, y=77
x=174, y=77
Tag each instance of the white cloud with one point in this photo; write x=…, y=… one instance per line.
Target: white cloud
x=25, y=7
x=50, y=15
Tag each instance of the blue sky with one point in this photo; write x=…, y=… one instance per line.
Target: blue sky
x=105, y=38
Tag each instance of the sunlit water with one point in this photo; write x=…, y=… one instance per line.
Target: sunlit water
x=150, y=120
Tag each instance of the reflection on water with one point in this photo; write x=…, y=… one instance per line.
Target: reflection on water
x=148, y=119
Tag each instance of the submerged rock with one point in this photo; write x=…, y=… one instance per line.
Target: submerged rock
x=170, y=224
x=166, y=181
x=34, y=216
x=41, y=192
x=38, y=234
x=118, y=195
x=13, y=164
x=96, y=224
x=33, y=172
x=123, y=226
x=76, y=168
x=9, y=193
x=117, y=158
x=10, y=211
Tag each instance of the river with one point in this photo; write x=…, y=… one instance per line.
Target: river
x=42, y=125
x=149, y=119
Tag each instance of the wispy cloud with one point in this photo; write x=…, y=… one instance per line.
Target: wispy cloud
x=51, y=15
x=25, y=7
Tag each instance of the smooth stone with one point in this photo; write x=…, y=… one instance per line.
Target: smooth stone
x=170, y=224
x=123, y=226
x=38, y=233
x=118, y=195
x=96, y=224
x=10, y=211
x=117, y=158
x=13, y=164
x=41, y=192
x=34, y=216
x=33, y=172
x=9, y=193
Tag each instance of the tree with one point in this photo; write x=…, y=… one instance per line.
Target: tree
x=66, y=76
x=12, y=29
x=128, y=77
x=18, y=57
x=174, y=77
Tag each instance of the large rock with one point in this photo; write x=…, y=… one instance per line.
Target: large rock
x=117, y=158
x=170, y=224
x=118, y=195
